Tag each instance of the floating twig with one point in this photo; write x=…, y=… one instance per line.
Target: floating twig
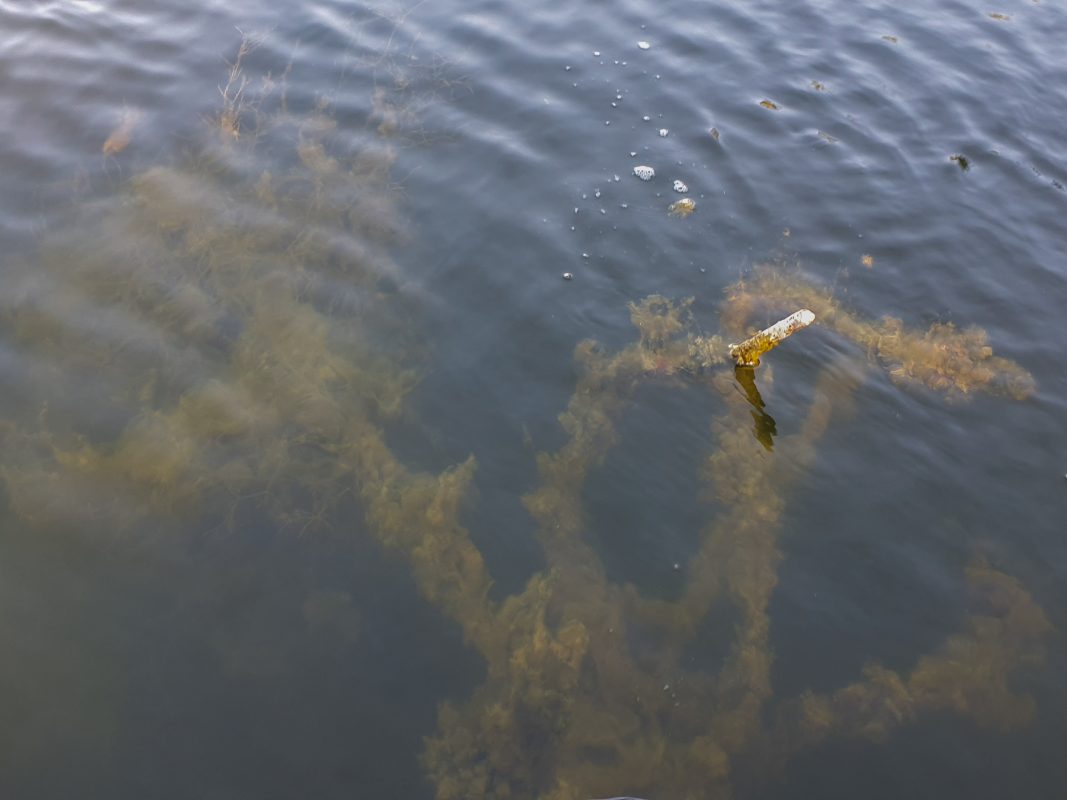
x=748, y=352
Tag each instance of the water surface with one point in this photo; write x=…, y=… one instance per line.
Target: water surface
x=313, y=484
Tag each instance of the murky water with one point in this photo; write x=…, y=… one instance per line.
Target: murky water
x=319, y=479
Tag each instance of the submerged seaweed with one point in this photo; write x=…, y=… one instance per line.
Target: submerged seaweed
x=245, y=329
x=945, y=358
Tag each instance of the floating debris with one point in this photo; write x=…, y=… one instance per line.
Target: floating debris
x=643, y=45
x=568, y=276
x=748, y=352
x=998, y=16
x=680, y=187
x=964, y=164
x=663, y=131
x=868, y=260
x=773, y=106
x=892, y=39
x=644, y=173
x=682, y=208
x=714, y=134
x=818, y=86
x=827, y=137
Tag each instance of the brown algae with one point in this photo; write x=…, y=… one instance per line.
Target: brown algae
x=957, y=362
x=120, y=137
x=239, y=382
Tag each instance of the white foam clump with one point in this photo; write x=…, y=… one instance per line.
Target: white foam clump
x=680, y=187
x=645, y=173
x=644, y=45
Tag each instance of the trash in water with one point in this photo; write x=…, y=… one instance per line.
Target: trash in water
x=682, y=208
x=680, y=187
x=644, y=173
x=644, y=45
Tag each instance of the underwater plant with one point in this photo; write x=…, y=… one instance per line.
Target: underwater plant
x=598, y=711
x=243, y=330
